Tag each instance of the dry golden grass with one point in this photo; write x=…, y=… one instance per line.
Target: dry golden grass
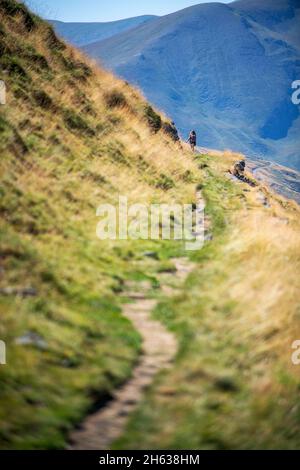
x=242, y=300
x=267, y=241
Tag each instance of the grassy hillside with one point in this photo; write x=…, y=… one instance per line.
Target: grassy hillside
x=72, y=137
x=234, y=385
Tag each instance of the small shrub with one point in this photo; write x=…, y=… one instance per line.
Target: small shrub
x=101, y=128
x=53, y=42
x=203, y=166
x=153, y=119
x=80, y=101
x=118, y=157
x=3, y=124
x=88, y=109
x=170, y=129
x=4, y=47
x=115, y=99
x=17, y=145
x=188, y=177
x=142, y=164
x=37, y=59
x=114, y=119
x=95, y=177
x=84, y=69
x=54, y=139
x=50, y=277
x=165, y=182
x=13, y=66
x=42, y=99
x=79, y=70
x=76, y=122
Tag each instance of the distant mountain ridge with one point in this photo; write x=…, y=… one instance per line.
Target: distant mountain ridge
x=81, y=34
x=225, y=70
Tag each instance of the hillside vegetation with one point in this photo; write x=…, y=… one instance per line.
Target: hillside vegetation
x=72, y=137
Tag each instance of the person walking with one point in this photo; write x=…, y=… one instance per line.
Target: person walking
x=192, y=140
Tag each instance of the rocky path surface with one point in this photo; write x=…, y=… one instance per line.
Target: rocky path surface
x=99, y=430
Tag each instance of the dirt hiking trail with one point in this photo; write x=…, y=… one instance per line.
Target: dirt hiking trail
x=102, y=428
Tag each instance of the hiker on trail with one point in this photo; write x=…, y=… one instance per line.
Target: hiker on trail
x=239, y=169
x=192, y=140
x=239, y=172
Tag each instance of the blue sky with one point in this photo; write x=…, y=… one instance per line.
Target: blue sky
x=106, y=10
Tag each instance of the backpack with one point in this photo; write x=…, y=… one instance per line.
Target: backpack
x=193, y=138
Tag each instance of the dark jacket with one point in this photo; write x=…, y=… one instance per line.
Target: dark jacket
x=193, y=138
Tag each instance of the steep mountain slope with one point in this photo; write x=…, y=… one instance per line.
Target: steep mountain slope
x=225, y=70
x=72, y=137
x=282, y=180
x=81, y=34
x=281, y=16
